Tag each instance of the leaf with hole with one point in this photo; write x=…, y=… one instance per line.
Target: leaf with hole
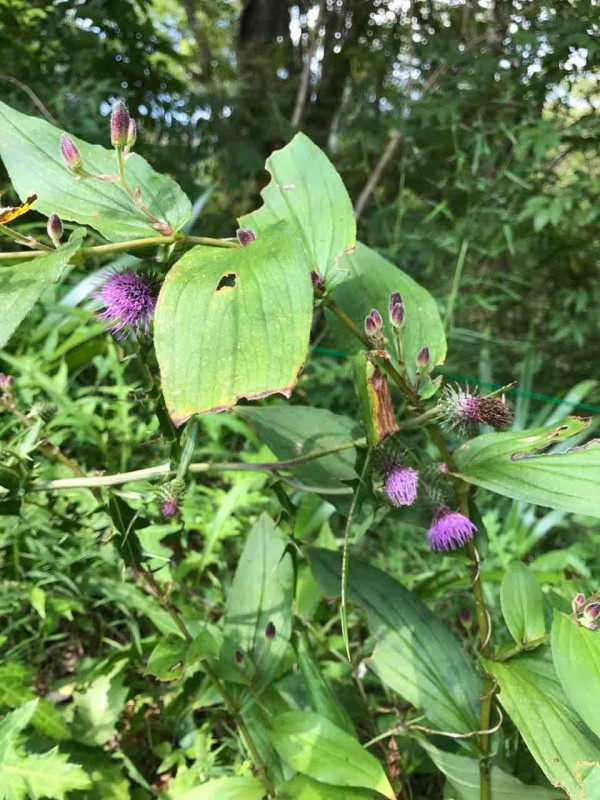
x=307, y=192
x=415, y=655
x=233, y=323
x=369, y=281
x=576, y=656
x=522, y=604
x=22, y=285
x=556, y=736
x=510, y=464
x=314, y=746
x=30, y=150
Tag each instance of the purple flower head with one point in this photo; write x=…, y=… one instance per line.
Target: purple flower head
x=466, y=410
x=119, y=124
x=70, y=153
x=449, y=530
x=129, y=300
x=169, y=509
x=401, y=485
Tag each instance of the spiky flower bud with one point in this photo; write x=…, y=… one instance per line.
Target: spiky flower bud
x=119, y=124
x=55, y=229
x=449, y=529
x=170, y=496
x=423, y=358
x=466, y=410
x=131, y=134
x=270, y=631
x=43, y=410
x=578, y=602
x=396, y=310
x=245, y=236
x=318, y=281
x=129, y=299
x=70, y=153
x=374, y=324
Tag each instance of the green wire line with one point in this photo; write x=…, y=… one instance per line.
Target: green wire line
x=543, y=398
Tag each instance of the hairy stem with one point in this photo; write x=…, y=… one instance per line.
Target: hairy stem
x=165, y=469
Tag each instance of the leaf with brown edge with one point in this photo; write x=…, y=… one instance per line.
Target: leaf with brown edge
x=233, y=323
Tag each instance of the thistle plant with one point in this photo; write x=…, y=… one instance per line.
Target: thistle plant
x=211, y=330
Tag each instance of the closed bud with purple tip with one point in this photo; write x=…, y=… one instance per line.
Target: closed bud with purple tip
x=70, y=153
x=54, y=229
x=578, y=602
x=590, y=616
x=129, y=299
x=396, y=310
x=423, y=358
x=245, y=236
x=466, y=410
x=318, y=282
x=449, y=529
x=119, y=124
x=374, y=324
x=270, y=631
x=131, y=134
x=170, y=495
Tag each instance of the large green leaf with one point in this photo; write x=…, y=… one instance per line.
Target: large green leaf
x=370, y=279
x=97, y=709
x=316, y=747
x=303, y=788
x=463, y=775
x=233, y=323
x=522, y=604
x=292, y=431
x=558, y=739
x=30, y=149
x=576, y=656
x=509, y=464
x=22, y=285
x=33, y=775
x=15, y=679
x=227, y=789
x=415, y=655
x=262, y=593
x=307, y=192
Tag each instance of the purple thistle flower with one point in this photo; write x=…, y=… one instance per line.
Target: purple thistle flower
x=465, y=410
x=449, y=529
x=401, y=485
x=169, y=509
x=129, y=300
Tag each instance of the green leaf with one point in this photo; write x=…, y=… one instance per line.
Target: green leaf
x=303, y=788
x=522, y=604
x=14, y=691
x=262, y=592
x=33, y=775
x=307, y=192
x=97, y=709
x=556, y=736
x=576, y=656
x=166, y=661
x=316, y=747
x=30, y=149
x=227, y=789
x=320, y=694
x=37, y=598
x=415, y=655
x=233, y=323
x=507, y=463
x=463, y=775
x=292, y=431
x=22, y=285
x=369, y=281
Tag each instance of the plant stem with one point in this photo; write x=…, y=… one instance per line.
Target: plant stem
x=165, y=469
x=230, y=705
x=121, y=247
x=462, y=488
